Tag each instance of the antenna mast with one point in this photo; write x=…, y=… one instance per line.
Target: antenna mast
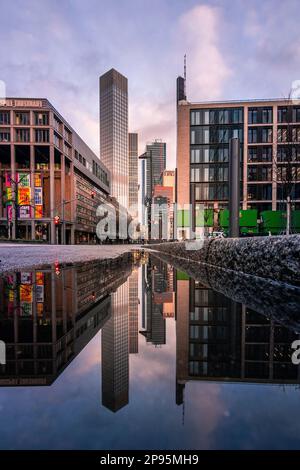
x=184, y=74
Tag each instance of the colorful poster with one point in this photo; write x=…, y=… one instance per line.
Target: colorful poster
x=39, y=293
x=25, y=212
x=39, y=278
x=25, y=309
x=26, y=278
x=8, y=196
x=37, y=180
x=25, y=293
x=38, y=212
x=7, y=179
x=24, y=180
x=9, y=213
x=24, y=196
x=39, y=309
x=38, y=196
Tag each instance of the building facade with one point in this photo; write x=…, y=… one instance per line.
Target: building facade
x=155, y=164
x=218, y=339
x=114, y=131
x=133, y=182
x=50, y=181
x=266, y=129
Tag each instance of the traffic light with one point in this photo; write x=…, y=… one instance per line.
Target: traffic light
x=93, y=194
x=56, y=220
x=57, y=268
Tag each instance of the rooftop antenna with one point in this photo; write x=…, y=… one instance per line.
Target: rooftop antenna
x=184, y=75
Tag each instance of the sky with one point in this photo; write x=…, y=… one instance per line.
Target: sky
x=57, y=49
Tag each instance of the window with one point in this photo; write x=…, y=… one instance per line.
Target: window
x=252, y=116
x=41, y=119
x=267, y=134
x=22, y=119
x=41, y=135
x=296, y=134
x=252, y=136
x=4, y=135
x=22, y=135
x=260, y=192
x=282, y=134
x=4, y=118
x=260, y=173
x=267, y=115
x=296, y=114
x=282, y=114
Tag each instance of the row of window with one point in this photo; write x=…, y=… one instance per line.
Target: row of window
x=256, y=115
x=260, y=135
x=208, y=135
x=205, y=154
x=211, y=192
x=206, y=173
x=22, y=118
x=23, y=135
x=216, y=116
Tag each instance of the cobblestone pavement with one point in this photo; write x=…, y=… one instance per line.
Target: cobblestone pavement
x=20, y=256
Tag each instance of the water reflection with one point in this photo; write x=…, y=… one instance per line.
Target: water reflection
x=47, y=316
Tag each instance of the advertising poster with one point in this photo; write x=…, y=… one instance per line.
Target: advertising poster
x=7, y=179
x=38, y=212
x=26, y=309
x=39, y=293
x=8, y=196
x=26, y=278
x=39, y=309
x=24, y=180
x=39, y=278
x=25, y=212
x=38, y=196
x=9, y=213
x=37, y=180
x=26, y=293
x=24, y=196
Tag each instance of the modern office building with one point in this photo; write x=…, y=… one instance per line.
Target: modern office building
x=267, y=130
x=47, y=316
x=155, y=164
x=114, y=132
x=115, y=352
x=133, y=182
x=218, y=339
x=133, y=312
x=47, y=171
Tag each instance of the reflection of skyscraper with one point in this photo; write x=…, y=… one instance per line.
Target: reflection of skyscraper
x=115, y=353
x=221, y=340
x=133, y=292
x=157, y=300
x=114, y=131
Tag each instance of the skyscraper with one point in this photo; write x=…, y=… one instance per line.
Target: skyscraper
x=114, y=131
x=115, y=352
x=133, y=173
x=156, y=163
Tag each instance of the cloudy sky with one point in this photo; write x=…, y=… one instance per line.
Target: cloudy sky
x=235, y=49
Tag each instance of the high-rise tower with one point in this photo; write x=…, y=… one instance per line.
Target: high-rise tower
x=114, y=131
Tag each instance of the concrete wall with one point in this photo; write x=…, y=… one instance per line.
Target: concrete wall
x=276, y=258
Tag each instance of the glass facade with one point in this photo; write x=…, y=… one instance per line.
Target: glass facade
x=210, y=133
x=114, y=131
